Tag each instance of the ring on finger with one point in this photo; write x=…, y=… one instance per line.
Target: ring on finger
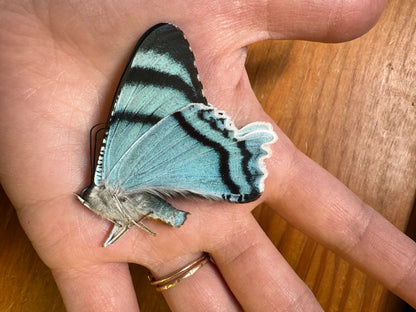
x=179, y=275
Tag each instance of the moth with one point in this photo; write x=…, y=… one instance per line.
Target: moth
x=163, y=139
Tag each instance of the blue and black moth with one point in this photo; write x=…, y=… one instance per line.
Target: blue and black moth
x=163, y=139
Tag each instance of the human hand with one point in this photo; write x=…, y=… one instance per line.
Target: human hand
x=61, y=67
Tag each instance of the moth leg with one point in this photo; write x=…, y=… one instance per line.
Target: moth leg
x=118, y=230
x=143, y=227
x=126, y=214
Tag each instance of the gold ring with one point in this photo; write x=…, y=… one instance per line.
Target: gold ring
x=179, y=275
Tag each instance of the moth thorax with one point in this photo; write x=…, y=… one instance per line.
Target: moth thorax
x=113, y=204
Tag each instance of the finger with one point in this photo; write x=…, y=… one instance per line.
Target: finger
x=106, y=287
x=323, y=20
x=322, y=207
x=205, y=290
x=258, y=275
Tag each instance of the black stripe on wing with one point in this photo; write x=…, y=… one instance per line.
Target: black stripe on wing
x=169, y=39
x=134, y=118
x=224, y=159
x=151, y=77
x=147, y=76
x=223, y=154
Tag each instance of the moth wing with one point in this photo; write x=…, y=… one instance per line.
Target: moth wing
x=198, y=150
x=159, y=79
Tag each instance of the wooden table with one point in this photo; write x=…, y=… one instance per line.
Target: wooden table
x=351, y=107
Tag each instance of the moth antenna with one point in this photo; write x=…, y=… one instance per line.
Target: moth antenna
x=94, y=132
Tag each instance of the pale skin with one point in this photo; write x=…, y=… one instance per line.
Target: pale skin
x=60, y=64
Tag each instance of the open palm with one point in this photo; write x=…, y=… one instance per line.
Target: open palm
x=60, y=67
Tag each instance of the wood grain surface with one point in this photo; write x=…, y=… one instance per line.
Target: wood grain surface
x=351, y=107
